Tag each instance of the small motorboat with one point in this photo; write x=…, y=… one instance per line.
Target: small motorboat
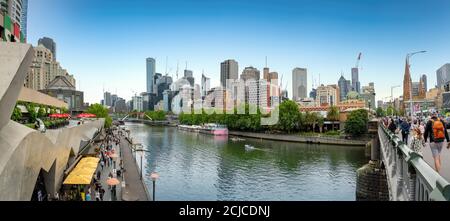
x=249, y=147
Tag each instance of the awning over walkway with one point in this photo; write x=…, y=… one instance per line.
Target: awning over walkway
x=83, y=172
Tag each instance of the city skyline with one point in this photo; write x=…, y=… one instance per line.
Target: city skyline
x=326, y=39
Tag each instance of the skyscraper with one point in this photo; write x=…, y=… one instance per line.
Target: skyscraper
x=443, y=75
x=250, y=73
x=49, y=44
x=228, y=70
x=150, y=73
x=107, y=99
x=424, y=81
x=344, y=87
x=23, y=18
x=356, y=85
x=299, y=83
x=205, y=85
x=188, y=75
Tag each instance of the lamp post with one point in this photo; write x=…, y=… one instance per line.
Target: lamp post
x=392, y=94
x=409, y=55
x=141, y=149
x=154, y=177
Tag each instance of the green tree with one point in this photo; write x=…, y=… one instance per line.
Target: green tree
x=356, y=123
x=333, y=113
x=42, y=112
x=16, y=114
x=32, y=113
x=289, y=113
x=380, y=112
x=311, y=121
x=100, y=112
x=320, y=122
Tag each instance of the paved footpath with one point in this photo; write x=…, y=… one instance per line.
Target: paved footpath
x=134, y=189
x=427, y=156
x=104, y=177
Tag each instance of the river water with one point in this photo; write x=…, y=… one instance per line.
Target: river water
x=203, y=167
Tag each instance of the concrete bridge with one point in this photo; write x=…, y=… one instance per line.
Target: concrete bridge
x=397, y=173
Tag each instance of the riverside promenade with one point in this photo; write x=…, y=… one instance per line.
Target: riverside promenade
x=134, y=189
x=300, y=139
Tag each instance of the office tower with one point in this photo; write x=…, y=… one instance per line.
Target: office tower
x=250, y=73
x=49, y=44
x=205, y=84
x=356, y=85
x=344, y=87
x=424, y=81
x=327, y=95
x=24, y=17
x=368, y=94
x=313, y=94
x=443, y=75
x=299, y=83
x=188, y=75
x=138, y=104
x=150, y=62
x=107, y=99
x=228, y=70
x=114, y=98
x=415, y=89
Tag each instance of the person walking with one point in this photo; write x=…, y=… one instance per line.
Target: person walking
x=392, y=127
x=436, y=133
x=97, y=195
x=405, y=127
x=102, y=164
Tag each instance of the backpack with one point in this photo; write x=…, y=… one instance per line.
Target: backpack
x=438, y=131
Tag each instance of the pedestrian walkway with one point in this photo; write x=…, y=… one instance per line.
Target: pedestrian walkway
x=104, y=177
x=427, y=156
x=134, y=188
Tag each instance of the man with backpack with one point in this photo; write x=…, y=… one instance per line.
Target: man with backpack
x=436, y=131
x=405, y=127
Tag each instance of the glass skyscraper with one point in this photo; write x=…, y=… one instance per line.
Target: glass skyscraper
x=150, y=74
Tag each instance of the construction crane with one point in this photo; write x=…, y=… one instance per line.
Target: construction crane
x=357, y=60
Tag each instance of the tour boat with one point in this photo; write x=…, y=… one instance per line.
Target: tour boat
x=213, y=129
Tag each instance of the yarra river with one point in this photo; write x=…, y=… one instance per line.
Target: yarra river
x=203, y=167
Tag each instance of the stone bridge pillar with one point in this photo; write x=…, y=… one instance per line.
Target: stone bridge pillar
x=371, y=182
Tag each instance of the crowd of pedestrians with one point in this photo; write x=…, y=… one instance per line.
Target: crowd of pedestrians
x=428, y=131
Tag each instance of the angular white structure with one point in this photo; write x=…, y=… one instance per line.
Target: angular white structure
x=26, y=152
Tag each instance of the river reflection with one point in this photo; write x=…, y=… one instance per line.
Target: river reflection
x=203, y=167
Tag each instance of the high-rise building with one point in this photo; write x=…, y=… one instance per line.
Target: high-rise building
x=114, y=98
x=24, y=18
x=356, y=85
x=205, y=84
x=44, y=69
x=368, y=94
x=229, y=69
x=327, y=95
x=11, y=20
x=313, y=94
x=138, y=103
x=344, y=87
x=188, y=75
x=250, y=73
x=49, y=44
x=107, y=98
x=424, y=81
x=443, y=75
x=150, y=73
x=299, y=83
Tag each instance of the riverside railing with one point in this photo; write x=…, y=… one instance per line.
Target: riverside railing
x=409, y=177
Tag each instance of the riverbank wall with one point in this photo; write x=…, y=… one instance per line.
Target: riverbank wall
x=300, y=139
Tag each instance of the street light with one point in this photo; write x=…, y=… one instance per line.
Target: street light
x=142, y=150
x=154, y=177
x=410, y=88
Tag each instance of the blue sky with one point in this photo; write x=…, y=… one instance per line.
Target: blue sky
x=105, y=42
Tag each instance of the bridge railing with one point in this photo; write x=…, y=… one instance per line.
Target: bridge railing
x=409, y=177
